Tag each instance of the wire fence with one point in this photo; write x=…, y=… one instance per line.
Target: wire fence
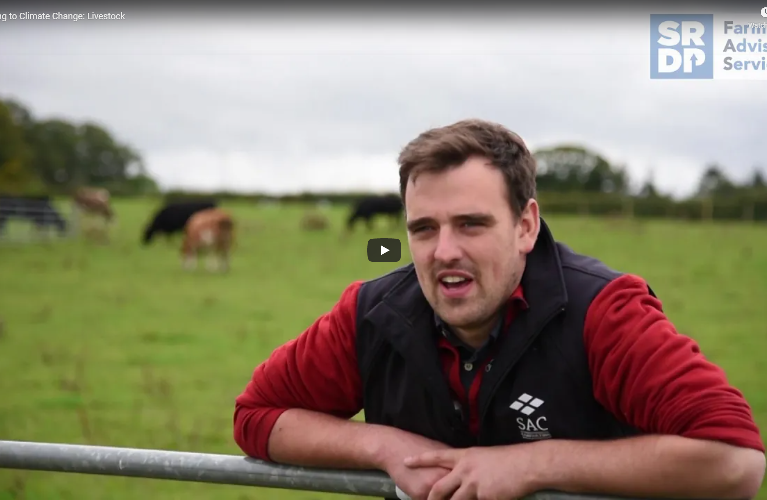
x=25, y=219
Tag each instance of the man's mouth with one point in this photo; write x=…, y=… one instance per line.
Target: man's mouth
x=455, y=281
x=455, y=285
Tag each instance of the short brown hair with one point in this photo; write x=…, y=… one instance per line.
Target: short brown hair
x=439, y=149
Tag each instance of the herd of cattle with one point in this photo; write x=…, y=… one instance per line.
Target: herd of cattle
x=206, y=228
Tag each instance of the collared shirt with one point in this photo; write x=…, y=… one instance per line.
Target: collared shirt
x=465, y=366
x=471, y=358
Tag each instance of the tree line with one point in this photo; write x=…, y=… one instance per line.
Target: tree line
x=575, y=180
x=55, y=156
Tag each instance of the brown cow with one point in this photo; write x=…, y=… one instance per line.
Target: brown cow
x=208, y=230
x=314, y=221
x=94, y=201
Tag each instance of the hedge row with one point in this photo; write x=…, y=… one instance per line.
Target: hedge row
x=742, y=206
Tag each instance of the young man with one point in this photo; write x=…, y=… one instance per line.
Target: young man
x=500, y=362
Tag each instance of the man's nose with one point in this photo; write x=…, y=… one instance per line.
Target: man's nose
x=448, y=248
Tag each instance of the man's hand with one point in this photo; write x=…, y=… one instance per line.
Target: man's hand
x=416, y=482
x=480, y=472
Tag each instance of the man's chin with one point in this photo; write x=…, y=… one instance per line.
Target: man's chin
x=459, y=316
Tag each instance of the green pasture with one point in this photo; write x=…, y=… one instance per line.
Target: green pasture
x=114, y=344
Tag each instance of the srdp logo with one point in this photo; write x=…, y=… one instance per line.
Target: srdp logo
x=681, y=46
x=384, y=250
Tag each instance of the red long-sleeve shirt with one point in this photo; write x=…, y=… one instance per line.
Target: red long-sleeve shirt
x=642, y=370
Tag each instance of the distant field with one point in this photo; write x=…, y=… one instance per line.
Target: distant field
x=116, y=345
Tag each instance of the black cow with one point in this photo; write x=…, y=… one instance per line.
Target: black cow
x=37, y=209
x=367, y=208
x=173, y=217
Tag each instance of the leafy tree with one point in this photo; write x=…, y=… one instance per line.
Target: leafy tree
x=16, y=175
x=65, y=155
x=714, y=182
x=576, y=168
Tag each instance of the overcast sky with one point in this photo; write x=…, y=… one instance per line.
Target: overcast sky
x=258, y=102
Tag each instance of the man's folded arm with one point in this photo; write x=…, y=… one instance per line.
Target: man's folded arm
x=656, y=379
x=298, y=404
x=700, y=436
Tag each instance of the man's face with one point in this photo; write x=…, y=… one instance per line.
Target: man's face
x=467, y=249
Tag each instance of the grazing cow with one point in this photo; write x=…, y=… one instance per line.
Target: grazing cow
x=368, y=207
x=37, y=209
x=314, y=221
x=94, y=201
x=210, y=230
x=172, y=218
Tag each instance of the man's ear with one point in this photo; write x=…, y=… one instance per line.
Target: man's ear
x=528, y=226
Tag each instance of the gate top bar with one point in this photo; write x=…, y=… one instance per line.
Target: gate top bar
x=188, y=466
x=206, y=468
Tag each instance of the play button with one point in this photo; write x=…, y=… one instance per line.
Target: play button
x=384, y=250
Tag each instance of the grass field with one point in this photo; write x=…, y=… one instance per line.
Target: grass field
x=116, y=345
